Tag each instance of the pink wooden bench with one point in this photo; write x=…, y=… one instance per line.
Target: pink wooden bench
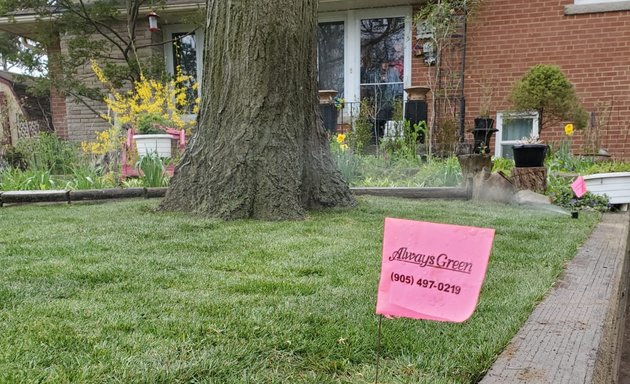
x=129, y=170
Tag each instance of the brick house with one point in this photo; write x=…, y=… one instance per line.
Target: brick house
x=588, y=39
x=372, y=46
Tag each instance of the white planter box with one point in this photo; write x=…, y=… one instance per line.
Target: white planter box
x=149, y=144
x=615, y=185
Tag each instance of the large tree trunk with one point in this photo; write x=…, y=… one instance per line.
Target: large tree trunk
x=260, y=149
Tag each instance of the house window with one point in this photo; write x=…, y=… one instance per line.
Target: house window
x=330, y=56
x=512, y=128
x=182, y=52
x=365, y=54
x=382, y=66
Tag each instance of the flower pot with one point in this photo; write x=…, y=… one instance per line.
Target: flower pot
x=150, y=144
x=482, y=138
x=484, y=123
x=417, y=92
x=326, y=96
x=529, y=155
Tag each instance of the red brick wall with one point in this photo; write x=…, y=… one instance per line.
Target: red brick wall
x=58, y=109
x=507, y=37
x=57, y=101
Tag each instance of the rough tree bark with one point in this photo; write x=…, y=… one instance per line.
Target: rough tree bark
x=260, y=149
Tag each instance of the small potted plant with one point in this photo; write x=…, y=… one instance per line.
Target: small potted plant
x=151, y=136
x=529, y=152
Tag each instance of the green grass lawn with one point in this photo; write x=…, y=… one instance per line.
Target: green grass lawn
x=113, y=292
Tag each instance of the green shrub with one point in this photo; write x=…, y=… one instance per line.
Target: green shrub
x=446, y=137
x=546, y=90
x=15, y=158
x=403, y=143
x=47, y=152
x=152, y=123
x=441, y=172
x=89, y=177
x=563, y=196
x=347, y=163
x=606, y=167
x=502, y=164
x=18, y=180
x=375, y=171
x=361, y=136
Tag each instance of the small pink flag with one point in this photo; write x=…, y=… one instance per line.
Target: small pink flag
x=579, y=187
x=432, y=271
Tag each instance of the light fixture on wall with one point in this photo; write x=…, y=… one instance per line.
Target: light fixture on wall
x=153, y=21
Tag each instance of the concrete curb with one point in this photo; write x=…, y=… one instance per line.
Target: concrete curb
x=575, y=334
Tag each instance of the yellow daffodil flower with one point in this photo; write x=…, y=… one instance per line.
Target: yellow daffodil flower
x=568, y=129
x=340, y=138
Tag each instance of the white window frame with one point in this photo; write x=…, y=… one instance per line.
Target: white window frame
x=596, y=6
x=578, y=2
x=352, y=44
x=332, y=17
x=498, y=150
x=167, y=34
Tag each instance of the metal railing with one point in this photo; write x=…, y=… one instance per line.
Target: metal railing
x=384, y=117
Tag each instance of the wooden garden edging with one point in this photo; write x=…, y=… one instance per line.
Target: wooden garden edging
x=22, y=197
x=415, y=193
x=51, y=196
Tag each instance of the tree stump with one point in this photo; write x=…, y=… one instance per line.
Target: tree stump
x=532, y=178
x=473, y=164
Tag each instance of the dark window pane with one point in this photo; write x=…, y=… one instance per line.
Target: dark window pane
x=382, y=68
x=382, y=50
x=330, y=52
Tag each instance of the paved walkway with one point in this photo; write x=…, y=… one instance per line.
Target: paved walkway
x=573, y=335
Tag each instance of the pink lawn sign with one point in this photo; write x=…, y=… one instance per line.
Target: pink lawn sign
x=432, y=271
x=579, y=187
